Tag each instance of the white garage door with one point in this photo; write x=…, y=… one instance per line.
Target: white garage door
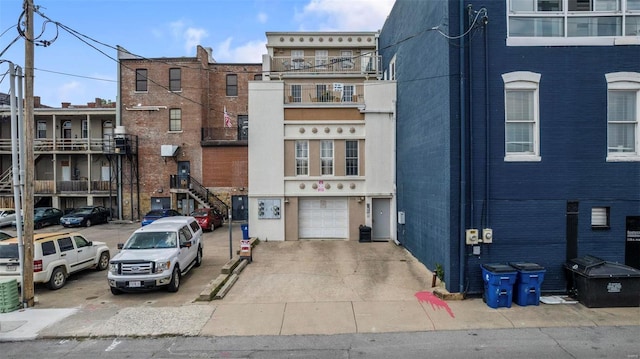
x=323, y=218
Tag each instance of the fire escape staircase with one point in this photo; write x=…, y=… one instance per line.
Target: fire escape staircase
x=6, y=178
x=207, y=199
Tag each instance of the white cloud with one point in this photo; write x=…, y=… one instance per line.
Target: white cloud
x=70, y=91
x=191, y=36
x=249, y=52
x=340, y=15
x=262, y=18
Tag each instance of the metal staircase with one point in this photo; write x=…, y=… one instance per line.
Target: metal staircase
x=207, y=199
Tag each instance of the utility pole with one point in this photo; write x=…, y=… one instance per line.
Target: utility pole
x=28, y=199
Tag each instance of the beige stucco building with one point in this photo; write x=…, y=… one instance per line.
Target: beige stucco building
x=322, y=139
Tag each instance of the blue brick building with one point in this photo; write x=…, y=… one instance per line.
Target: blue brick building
x=522, y=117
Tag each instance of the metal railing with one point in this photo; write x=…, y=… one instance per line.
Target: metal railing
x=199, y=191
x=334, y=92
x=365, y=64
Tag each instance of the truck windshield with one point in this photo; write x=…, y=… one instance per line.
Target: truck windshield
x=150, y=240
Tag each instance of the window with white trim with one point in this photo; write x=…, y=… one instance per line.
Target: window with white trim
x=522, y=116
x=573, y=18
x=302, y=158
x=351, y=157
x=297, y=59
x=392, y=68
x=326, y=157
x=322, y=59
x=41, y=131
x=84, y=131
x=296, y=93
x=623, y=116
x=175, y=119
x=600, y=217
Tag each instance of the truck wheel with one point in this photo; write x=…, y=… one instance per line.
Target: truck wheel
x=174, y=285
x=57, y=280
x=199, y=257
x=103, y=261
x=115, y=291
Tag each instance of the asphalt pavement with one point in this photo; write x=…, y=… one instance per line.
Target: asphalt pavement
x=291, y=288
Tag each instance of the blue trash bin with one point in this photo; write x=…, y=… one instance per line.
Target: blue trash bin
x=498, y=284
x=528, y=282
x=245, y=231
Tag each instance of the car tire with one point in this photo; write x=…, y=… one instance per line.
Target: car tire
x=174, y=285
x=212, y=227
x=103, y=261
x=198, y=258
x=88, y=223
x=37, y=225
x=58, y=279
x=115, y=291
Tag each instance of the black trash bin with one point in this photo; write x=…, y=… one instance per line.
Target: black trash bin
x=365, y=234
x=597, y=283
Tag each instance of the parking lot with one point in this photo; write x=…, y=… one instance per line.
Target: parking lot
x=90, y=287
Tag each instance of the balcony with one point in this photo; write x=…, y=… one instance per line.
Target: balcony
x=78, y=145
x=365, y=65
x=324, y=93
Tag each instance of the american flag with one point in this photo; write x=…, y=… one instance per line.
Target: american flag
x=227, y=118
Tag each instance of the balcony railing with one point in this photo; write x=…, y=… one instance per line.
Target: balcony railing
x=326, y=93
x=123, y=144
x=364, y=64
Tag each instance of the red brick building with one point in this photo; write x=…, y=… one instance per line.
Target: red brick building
x=191, y=118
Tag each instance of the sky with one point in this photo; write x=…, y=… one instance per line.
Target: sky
x=78, y=63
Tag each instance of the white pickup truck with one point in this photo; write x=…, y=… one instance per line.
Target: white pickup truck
x=157, y=255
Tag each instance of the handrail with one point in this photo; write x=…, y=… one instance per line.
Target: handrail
x=197, y=189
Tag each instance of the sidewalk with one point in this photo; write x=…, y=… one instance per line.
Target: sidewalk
x=306, y=287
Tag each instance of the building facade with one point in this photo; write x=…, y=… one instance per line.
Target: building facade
x=75, y=155
x=321, y=154
x=191, y=117
x=518, y=133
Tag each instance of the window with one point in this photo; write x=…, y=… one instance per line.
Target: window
x=567, y=19
x=351, y=158
x=84, y=133
x=175, y=119
x=41, y=131
x=296, y=93
x=243, y=124
x=322, y=58
x=65, y=244
x=521, y=116
x=175, y=83
x=80, y=242
x=392, y=68
x=623, y=116
x=232, y=85
x=326, y=157
x=600, y=217
x=257, y=77
x=346, y=59
x=48, y=248
x=141, y=80
x=348, y=93
x=297, y=59
x=302, y=158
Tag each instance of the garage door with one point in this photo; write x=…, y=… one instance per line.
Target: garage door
x=323, y=218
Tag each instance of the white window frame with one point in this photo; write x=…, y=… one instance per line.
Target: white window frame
x=625, y=81
x=392, y=68
x=349, y=159
x=41, y=131
x=326, y=158
x=565, y=24
x=523, y=81
x=84, y=133
x=321, y=59
x=297, y=59
x=302, y=158
x=600, y=217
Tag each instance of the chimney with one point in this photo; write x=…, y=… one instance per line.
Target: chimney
x=66, y=104
x=36, y=101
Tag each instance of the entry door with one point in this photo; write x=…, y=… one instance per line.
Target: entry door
x=632, y=247
x=381, y=227
x=184, y=173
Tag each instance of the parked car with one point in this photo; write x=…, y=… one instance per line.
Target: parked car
x=154, y=214
x=5, y=235
x=7, y=216
x=157, y=256
x=86, y=216
x=208, y=218
x=44, y=216
x=55, y=257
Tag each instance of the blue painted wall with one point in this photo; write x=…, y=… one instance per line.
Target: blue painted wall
x=526, y=201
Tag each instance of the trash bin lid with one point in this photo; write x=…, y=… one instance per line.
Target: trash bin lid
x=527, y=267
x=498, y=268
x=581, y=264
x=606, y=270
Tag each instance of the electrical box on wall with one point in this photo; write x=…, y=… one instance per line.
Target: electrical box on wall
x=400, y=217
x=487, y=235
x=471, y=236
x=268, y=208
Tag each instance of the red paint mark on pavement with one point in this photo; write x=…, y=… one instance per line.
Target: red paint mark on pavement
x=436, y=303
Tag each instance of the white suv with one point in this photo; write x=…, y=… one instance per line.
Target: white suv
x=157, y=255
x=55, y=257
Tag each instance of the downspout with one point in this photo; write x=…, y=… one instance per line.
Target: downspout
x=472, y=213
x=119, y=158
x=463, y=184
x=487, y=126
